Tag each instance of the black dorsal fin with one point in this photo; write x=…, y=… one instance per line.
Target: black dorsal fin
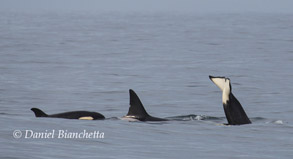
x=136, y=108
x=39, y=113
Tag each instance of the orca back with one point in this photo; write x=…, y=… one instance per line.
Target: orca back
x=79, y=115
x=70, y=115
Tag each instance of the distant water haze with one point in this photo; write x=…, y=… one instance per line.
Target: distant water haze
x=201, y=6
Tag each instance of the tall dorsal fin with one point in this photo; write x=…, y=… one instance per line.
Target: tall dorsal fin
x=136, y=108
x=39, y=113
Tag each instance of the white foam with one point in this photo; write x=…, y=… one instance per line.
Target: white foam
x=198, y=117
x=278, y=122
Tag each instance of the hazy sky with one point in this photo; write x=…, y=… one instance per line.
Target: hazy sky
x=150, y=5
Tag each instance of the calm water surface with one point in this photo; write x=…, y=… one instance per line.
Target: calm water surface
x=77, y=61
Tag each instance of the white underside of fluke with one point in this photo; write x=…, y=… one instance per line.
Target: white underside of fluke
x=224, y=84
x=225, y=95
x=220, y=82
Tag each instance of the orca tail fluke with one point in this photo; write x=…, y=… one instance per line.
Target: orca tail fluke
x=136, y=107
x=38, y=112
x=234, y=112
x=219, y=81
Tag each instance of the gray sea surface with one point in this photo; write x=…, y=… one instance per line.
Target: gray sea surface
x=59, y=62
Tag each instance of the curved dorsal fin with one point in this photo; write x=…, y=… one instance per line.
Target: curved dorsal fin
x=39, y=113
x=136, y=108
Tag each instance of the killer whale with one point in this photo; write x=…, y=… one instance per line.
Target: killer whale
x=234, y=112
x=136, y=110
x=83, y=115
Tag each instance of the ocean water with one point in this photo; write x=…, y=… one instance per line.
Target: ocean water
x=62, y=62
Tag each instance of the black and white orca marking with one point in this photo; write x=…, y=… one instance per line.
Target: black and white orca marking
x=234, y=112
x=82, y=115
x=136, y=110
